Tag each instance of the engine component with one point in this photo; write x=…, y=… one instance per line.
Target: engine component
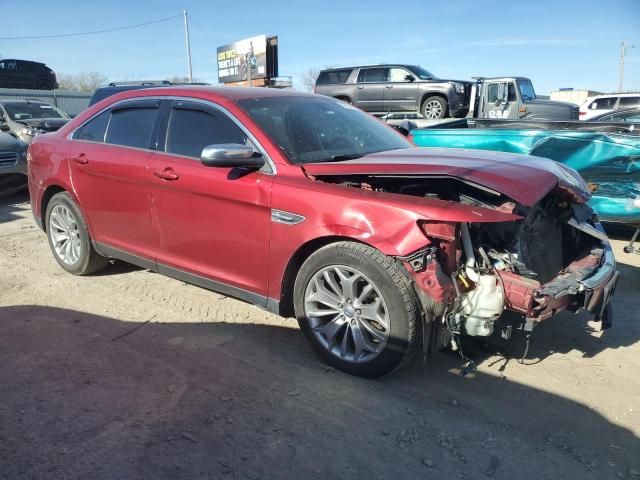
x=482, y=306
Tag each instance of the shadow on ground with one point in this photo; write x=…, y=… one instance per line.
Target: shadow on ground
x=85, y=396
x=11, y=205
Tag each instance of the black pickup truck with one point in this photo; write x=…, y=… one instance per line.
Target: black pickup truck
x=381, y=89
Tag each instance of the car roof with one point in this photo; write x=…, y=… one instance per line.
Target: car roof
x=636, y=94
x=229, y=93
x=380, y=65
x=19, y=60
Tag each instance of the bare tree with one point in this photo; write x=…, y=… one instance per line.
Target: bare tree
x=309, y=78
x=81, y=82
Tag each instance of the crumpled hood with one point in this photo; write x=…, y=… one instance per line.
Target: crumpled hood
x=46, y=124
x=523, y=178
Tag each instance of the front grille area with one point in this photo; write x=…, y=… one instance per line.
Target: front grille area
x=575, y=113
x=8, y=158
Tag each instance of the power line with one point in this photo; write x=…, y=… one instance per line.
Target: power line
x=94, y=31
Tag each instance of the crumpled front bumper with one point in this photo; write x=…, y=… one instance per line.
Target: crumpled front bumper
x=586, y=284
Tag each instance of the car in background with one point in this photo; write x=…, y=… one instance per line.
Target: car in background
x=116, y=87
x=309, y=207
x=26, y=74
x=628, y=115
x=24, y=119
x=13, y=165
x=601, y=104
x=382, y=89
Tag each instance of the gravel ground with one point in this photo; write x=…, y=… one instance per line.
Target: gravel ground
x=128, y=374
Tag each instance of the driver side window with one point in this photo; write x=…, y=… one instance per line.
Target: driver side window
x=190, y=130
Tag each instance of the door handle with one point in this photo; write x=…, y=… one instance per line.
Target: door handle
x=359, y=87
x=166, y=174
x=388, y=86
x=80, y=159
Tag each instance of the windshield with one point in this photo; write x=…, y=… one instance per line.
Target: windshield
x=320, y=129
x=526, y=89
x=29, y=110
x=422, y=73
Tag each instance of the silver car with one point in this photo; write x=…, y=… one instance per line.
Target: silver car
x=25, y=119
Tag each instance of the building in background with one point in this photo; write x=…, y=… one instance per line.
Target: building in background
x=573, y=96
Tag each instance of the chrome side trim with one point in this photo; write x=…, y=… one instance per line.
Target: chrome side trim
x=287, y=218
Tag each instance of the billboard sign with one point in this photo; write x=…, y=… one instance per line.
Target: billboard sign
x=239, y=59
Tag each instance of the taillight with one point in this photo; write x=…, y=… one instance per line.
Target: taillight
x=410, y=138
x=582, y=113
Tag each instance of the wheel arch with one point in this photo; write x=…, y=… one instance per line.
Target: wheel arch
x=295, y=262
x=433, y=94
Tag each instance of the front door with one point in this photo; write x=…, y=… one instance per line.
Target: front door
x=109, y=171
x=401, y=93
x=213, y=222
x=370, y=89
x=501, y=101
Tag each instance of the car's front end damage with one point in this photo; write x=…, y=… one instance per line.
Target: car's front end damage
x=547, y=254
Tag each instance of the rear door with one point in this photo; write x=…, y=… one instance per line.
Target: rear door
x=213, y=222
x=401, y=95
x=110, y=174
x=370, y=89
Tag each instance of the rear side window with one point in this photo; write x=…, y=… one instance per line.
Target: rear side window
x=131, y=127
x=94, y=129
x=373, y=75
x=333, y=77
x=626, y=102
x=605, y=103
x=190, y=130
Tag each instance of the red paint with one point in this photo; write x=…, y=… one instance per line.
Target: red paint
x=177, y=212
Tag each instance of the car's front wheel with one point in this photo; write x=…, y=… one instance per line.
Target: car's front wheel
x=434, y=108
x=357, y=308
x=69, y=237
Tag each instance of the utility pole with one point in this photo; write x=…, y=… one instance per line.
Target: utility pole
x=624, y=48
x=186, y=36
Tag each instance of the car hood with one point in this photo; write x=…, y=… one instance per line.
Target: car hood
x=523, y=178
x=555, y=103
x=46, y=124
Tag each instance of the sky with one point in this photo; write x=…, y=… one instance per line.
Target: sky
x=570, y=43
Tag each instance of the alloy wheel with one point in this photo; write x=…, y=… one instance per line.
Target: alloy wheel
x=347, y=313
x=65, y=234
x=433, y=109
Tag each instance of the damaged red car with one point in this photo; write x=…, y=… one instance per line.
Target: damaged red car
x=309, y=207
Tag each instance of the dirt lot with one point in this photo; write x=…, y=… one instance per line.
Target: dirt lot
x=128, y=374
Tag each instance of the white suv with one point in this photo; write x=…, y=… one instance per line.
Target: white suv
x=601, y=104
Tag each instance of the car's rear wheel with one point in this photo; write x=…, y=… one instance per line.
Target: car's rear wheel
x=44, y=85
x=434, y=108
x=69, y=237
x=357, y=308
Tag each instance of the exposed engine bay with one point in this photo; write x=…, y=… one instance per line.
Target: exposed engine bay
x=532, y=266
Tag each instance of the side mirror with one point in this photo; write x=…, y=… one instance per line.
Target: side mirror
x=231, y=155
x=409, y=78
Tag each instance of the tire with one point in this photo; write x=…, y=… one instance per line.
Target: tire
x=434, y=108
x=344, y=99
x=69, y=237
x=44, y=85
x=390, y=299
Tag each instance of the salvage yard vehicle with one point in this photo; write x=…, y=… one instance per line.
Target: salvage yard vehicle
x=604, y=153
x=380, y=89
x=26, y=74
x=13, y=165
x=307, y=206
x=607, y=103
x=514, y=98
x=25, y=119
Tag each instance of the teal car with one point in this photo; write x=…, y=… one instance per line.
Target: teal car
x=605, y=155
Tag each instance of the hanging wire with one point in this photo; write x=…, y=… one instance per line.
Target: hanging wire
x=60, y=35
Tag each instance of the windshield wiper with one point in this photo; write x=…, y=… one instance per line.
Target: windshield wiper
x=340, y=158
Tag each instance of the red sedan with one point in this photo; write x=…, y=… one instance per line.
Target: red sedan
x=306, y=206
